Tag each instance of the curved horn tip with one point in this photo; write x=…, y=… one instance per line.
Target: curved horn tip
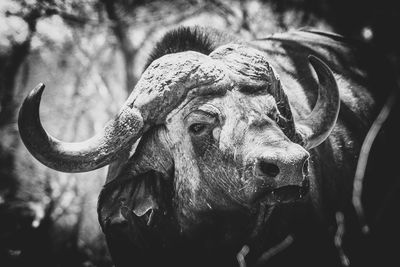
x=31, y=103
x=319, y=124
x=38, y=89
x=317, y=63
x=34, y=96
x=314, y=60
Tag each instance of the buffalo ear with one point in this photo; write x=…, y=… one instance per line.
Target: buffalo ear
x=319, y=124
x=147, y=209
x=136, y=216
x=135, y=204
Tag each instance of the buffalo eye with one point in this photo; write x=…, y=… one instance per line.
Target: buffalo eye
x=197, y=128
x=277, y=119
x=276, y=116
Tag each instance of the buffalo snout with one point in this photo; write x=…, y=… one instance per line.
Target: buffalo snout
x=281, y=173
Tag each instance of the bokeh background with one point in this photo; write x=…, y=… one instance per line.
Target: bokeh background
x=90, y=55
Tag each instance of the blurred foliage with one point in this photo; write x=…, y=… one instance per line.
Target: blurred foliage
x=90, y=54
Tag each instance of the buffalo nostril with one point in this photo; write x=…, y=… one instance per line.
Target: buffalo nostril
x=268, y=168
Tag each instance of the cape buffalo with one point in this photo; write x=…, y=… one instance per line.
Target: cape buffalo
x=225, y=143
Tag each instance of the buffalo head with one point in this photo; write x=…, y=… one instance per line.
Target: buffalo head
x=220, y=130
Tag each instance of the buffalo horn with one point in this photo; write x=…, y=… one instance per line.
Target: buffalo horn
x=88, y=155
x=319, y=124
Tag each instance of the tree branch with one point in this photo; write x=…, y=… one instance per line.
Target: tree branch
x=363, y=159
x=120, y=30
x=266, y=256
